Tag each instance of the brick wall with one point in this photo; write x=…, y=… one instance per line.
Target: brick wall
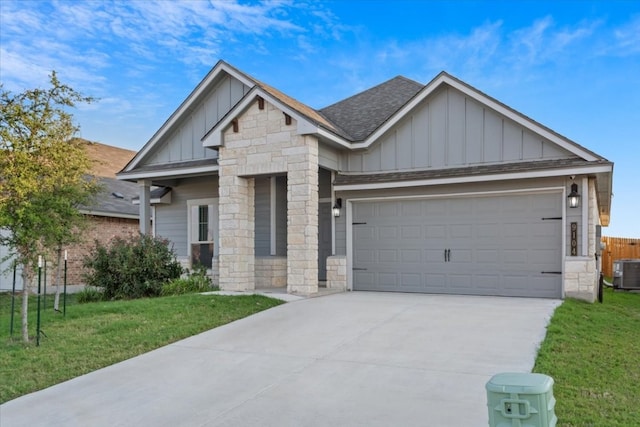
x=102, y=229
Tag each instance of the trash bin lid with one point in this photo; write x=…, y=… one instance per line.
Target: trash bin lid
x=517, y=382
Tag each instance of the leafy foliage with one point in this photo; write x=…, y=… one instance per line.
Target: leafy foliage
x=89, y=294
x=43, y=174
x=132, y=268
x=196, y=281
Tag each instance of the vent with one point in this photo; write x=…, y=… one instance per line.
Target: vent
x=626, y=274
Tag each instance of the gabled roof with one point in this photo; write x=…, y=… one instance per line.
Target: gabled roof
x=114, y=200
x=361, y=114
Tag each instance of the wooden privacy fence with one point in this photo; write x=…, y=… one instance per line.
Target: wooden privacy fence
x=618, y=248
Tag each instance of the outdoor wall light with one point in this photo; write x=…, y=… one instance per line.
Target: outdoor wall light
x=337, y=207
x=574, y=197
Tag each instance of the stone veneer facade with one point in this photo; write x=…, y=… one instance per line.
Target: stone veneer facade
x=581, y=272
x=265, y=144
x=337, y=272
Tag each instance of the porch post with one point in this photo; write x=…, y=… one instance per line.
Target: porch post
x=236, y=220
x=145, y=206
x=302, y=224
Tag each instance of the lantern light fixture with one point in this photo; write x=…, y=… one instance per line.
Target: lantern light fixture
x=574, y=197
x=337, y=207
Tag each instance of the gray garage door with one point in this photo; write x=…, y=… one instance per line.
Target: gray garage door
x=496, y=245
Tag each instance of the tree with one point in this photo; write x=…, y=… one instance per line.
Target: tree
x=43, y=175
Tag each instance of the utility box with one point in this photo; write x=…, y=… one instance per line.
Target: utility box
x=626, y=274
x=521, y=400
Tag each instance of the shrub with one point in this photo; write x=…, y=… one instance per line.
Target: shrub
x=131, y=268
x=197, y=281
x=89, y=294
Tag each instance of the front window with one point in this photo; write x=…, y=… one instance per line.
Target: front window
x=202, y=227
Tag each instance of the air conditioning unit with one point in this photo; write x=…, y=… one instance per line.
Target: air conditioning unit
x=626, y=274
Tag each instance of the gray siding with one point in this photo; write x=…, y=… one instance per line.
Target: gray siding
x=324, y=183
x=184, y=143
x=171, y=220
x=263, y=217
x=328, y=157
x=451, y=130
x=281, y=216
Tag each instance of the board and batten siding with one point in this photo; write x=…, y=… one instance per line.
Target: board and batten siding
x=184, y=143
x=449, y=129
x=263, y=216
x=171, y=219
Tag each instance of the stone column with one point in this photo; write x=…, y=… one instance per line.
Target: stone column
x=236, y=234
x=302, y=223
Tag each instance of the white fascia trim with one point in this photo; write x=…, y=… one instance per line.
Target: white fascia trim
x=483, y=99
x=187, y=105
x=479, y=178
x=334, y=138
x=108, y=214
x=168, y=172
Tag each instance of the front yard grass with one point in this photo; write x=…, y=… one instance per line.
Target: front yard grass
x=592, y=351
x=95, y=335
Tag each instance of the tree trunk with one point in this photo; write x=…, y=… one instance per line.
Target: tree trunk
x=25, y=303
x=56, y=301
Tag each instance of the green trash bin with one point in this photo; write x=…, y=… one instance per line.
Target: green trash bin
x=521, y=400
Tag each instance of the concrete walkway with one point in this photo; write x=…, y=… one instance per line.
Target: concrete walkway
x=350, y=359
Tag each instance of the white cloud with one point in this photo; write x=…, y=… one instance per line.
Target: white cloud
x=627, y=38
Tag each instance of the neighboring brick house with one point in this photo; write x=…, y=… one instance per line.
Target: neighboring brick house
x=434, y=188
x=112, y=213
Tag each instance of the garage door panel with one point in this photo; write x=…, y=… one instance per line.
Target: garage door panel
x=387, y=232
x=461, y=231
x=487, y=256
x=387, y=210
x=411, y=256
x=488, y=282
x=387, y=255
x=438, y=231
x=460, y=282
x=458, y=256
x=499, y=245
x=364, y=256
x=411, y=232
x=435, y=256
x=412, y=280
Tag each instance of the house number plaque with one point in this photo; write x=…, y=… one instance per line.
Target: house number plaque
x=574, y=239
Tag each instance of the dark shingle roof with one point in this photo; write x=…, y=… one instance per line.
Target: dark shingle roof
x=108, y=201
x=360, y=115
x=465, y=171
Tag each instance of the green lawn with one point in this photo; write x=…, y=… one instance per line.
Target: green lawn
x=95, y=335
x=592, y=351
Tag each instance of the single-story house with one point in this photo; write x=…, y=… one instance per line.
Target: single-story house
x=406, y=187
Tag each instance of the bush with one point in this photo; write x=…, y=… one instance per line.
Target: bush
x=89, y=294
x=131, y=268
x=197, y=281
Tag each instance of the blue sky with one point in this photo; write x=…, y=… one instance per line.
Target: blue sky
x=573, y=66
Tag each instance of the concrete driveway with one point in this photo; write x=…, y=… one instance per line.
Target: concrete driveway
x=351, y=359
